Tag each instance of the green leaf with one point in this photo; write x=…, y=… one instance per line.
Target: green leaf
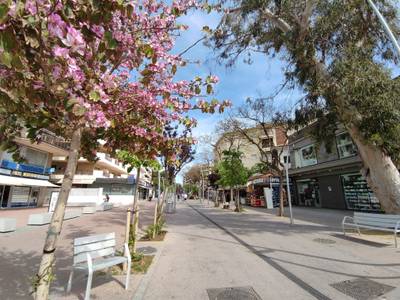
x=209, y=89
x=71, y=102
x=197, y=90
x=4, y=8
x=6, y=58
x=110, y=41
x=94, y=95
x=78, y=110
x=174, y=69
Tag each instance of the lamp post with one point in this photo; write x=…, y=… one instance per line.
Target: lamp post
x=289, y=196
x=385, y=26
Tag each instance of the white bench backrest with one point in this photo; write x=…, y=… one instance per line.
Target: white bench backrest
x=96, y=245
x=376, y=220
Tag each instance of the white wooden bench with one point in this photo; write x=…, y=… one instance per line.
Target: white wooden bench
x=381, y=222
x=104, y=206
x=89, y=210
x=8, y=224
x=45, y=218
x=97, y=252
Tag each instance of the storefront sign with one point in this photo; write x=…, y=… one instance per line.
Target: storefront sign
x=5, y=171
x=30, y=175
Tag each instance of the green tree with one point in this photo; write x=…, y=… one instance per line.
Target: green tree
x=232, y=173
x=135, y=162
x=338, y=53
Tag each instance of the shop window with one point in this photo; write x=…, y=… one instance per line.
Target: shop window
x=345, y=145
x=267, y=142
x=357, y=194
x=306, y=156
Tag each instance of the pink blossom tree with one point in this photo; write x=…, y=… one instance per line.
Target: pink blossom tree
x=91, y=70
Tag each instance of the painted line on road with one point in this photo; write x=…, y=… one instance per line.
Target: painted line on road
x=305, y=286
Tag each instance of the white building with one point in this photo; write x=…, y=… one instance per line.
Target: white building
x=25, y=183
x=107, y=174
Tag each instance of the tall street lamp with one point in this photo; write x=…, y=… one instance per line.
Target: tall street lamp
x=385, y=26
x=289, y=196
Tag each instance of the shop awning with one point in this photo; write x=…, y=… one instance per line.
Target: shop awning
x=21, y=181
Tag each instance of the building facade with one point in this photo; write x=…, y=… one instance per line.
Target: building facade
x=252, y=155
x=329, y=177
x=25, y=183
x=106, y=173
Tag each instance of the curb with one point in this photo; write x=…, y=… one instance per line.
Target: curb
x=145, y=280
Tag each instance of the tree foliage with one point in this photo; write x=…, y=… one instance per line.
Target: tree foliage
x=231, y=169
x=335, y=51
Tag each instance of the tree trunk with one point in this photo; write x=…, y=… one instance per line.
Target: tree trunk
x=216, y=198
x=281, y=204
x=45, y=274
x=231, y=196
x=237, y=203
x=136, y=211
x=380, y=172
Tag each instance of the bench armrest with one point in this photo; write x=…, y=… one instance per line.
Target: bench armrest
x=397, y=227
x=348, y=217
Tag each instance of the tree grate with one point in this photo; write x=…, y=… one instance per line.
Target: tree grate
x=233, y=293
x=324, y=241
x=362, y=288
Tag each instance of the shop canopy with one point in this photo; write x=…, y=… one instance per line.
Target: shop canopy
x=21, y=181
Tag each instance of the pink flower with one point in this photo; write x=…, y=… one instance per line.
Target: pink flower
x=57, y=71
x=30, y=6
x=56, y=26
x=61, y=52
x=98, y=30
x=214, y=79
x=74, y=40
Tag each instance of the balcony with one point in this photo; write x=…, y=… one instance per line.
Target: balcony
x=45, y=141
x=78, y=178
x=11, y=165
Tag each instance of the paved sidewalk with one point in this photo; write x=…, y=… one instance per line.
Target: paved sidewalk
x=20, y=254
x=213, y=248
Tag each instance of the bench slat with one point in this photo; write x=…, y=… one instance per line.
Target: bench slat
x=376, y=216
x=94, y=246
x=377, y=222
x=372, y=227
x=94, y=254
x=94, y=238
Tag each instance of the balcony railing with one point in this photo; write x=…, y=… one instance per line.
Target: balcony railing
x=11, y=165
x=46, y=136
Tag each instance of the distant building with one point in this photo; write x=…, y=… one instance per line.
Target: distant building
x=107, y=173
x=329, y=179
x=251, y=153
x=25, y=184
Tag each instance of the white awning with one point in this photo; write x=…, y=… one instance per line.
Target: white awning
x=21, y=181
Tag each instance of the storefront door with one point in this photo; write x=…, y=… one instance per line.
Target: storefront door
x=4, y=194
x=309, y=192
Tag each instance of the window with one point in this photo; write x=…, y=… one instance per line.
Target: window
x=286, y=159
x=307, y=156
x=345, y=145
x=267, y=142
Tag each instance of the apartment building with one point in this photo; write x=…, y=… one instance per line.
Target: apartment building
x=329, y=178
x=106, y=173
x=25, y=183
x=251, y=154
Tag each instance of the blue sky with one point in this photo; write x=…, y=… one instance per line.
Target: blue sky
x=237, y=83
